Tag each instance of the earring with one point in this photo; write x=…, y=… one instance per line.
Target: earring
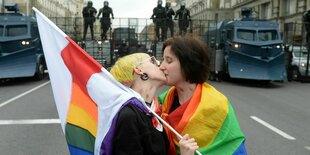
x=144, y=77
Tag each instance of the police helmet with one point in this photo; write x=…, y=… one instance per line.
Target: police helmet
x=168, y=4
x=159, y=2
x=89, y=3
x=182, y=5
x=105, y=3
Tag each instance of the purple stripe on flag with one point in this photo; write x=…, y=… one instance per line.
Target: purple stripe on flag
x=106, y=145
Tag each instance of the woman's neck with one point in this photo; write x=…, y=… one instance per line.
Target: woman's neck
x=146, y=90
x=185, y=91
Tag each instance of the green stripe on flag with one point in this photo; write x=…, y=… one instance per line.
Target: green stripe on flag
x=229, y=137
x=161, y=97
x=79, y=137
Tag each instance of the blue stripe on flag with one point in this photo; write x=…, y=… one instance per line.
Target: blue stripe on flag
x=78, y=151
x=241, y=150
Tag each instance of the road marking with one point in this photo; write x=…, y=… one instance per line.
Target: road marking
x=23, y=94
x=278, y=131
x=30, y=121
x=307, y=147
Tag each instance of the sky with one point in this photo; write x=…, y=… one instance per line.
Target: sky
x=129, y=8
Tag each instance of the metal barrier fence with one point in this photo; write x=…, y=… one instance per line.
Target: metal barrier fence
x=137, y=33
x=144, y=28
x=297, y=51
x=294, y=33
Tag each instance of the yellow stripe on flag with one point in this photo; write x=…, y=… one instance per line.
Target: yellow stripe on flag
x=208, y=117
x=79, y=117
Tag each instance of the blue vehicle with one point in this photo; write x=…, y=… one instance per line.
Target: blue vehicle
x=247, y=49
x=21, y=53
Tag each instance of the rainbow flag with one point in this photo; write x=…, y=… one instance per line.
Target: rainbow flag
x=209, y=118
x=87, y=97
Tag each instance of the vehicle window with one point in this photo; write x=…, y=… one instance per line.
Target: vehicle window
x=1, y=30
x=16, y=30
x=229, y=34
x=267, y=35
x=249, y=35
x=34, y=30
x=302, y=53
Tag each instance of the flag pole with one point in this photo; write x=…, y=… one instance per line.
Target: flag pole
x=166, y=124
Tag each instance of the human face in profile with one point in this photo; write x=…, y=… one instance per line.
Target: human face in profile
x=171, y=67
x=151, y=67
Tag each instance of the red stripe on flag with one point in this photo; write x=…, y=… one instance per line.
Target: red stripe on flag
x=79, y=63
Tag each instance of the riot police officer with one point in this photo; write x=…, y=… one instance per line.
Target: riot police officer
x=89, y=13
x=307, y=26
x=183, y=16
x=159, y=17
x=169, y=22
x=306, y=18
x=123, y=48
x=105, y=21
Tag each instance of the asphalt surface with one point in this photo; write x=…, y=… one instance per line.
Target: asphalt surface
x=274, y=117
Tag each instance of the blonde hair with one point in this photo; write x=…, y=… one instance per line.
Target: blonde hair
x=122, y=70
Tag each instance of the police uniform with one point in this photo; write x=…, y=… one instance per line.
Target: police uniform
x=105, y=20
x=169, y=22
x=183, y=15
x=159, y=17
x=306, y=17
x=89, y=13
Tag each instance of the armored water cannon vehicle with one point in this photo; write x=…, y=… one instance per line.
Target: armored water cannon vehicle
x=247, y=49
x=21, y=53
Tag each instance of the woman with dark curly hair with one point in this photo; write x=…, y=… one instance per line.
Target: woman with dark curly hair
x=192, y=105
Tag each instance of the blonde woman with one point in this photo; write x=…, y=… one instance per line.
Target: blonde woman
x=138, y=132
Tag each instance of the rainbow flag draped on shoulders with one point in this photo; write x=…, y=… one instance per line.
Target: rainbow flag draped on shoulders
x=209, y=118
x=87, y=97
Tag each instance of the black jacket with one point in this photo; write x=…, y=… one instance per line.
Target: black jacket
x=136, y=135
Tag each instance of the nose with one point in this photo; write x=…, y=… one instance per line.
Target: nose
x=162, y=66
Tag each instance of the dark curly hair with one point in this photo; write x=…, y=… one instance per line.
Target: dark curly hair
x=193, y=56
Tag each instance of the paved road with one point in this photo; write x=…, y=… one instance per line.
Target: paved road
x=274, y=118
x=29, y=138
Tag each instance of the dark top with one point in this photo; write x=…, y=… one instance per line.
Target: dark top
x=159, y=12
x=136, y=135
x=175, y=104
x=170, y=13
x=89, y=12
x=105, y=11
x=182, y=14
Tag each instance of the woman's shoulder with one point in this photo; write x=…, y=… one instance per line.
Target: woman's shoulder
x=212, y=91
x=129, y=111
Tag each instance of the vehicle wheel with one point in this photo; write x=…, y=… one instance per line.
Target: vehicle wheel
x=295, y=74
x=39, y=75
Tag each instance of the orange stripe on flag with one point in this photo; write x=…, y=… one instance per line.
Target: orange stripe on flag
x=82, y=100
x=190, y=110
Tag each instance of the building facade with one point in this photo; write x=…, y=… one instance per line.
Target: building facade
x=50, y=8
x=288, y=13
